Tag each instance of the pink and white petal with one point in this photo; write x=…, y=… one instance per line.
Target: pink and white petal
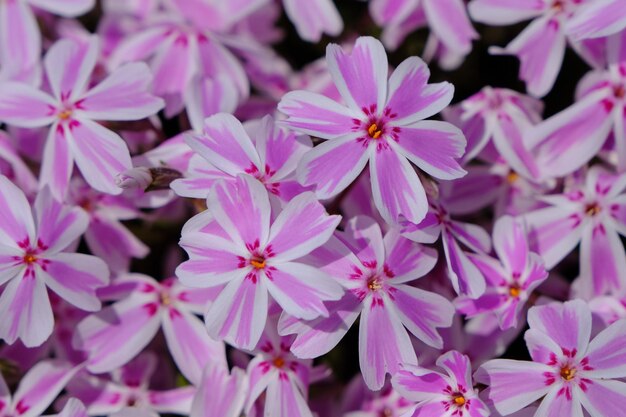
x=513, y=384
x=422, y=312
x=407, y=260
x=597, y=19
x=58, y=225
x=553, y=233
x=24, y=106
x=307, y=215
x=259, y=375
x=239, y=313
x=419, y=384
x=363, y=236
x=20, y=38
x=603, y=398
x=11, y=262
x=190, y=345
x=602, y=261
x=397, y=190
x=541, y=347
x=16, y=222
x=174, y=65
x=58, y=162
x=361, y=75
x=226, y=145
x=301, y=289
x=114, y=243
x=41, y=385
x=243, y=210
x=570, y=138
x=466, y=278
x=607, y=352
x=25, y=310
x=75, y=277
x=65, y=8
x=333, y=166
x=220, y=394
x=542, y=38
x=411, y=99
x=317, y=337
x=205, y=97
x=314, y=18
x=471, y=235
x=505, y=12
x=383, y=343
x=100, y=155
x=508, y=140
x=568, y=324
x=458, y=366
x=449, y=21
x=434, y=147
x=176, y=401
x=101, y=397
x=200, y=178
x=317, y=115
x=284, y=399
x=337, y=260
x=116, y=334
x=123, y=95
x=73, y=408
x=69, y=64
x=557, y=404
x=426, y=231
x=511, y=244
x=139, y=46
x=387, y=11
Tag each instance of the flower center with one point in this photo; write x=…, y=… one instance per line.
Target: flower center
x=512, y=177
x=459, y=400
x=165, y=298
x=374, y=131
x=568, y=373
x=64, y=114
x=279, y=362
x=258, y=262
x=592, y=209
x=515, y=291
x=619, y=91
x=30, y=258
x=374, y=284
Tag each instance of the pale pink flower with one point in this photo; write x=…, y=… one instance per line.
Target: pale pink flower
x=70, y=112
x=235, y=243
x=312, y=18
x=33, y=259
x=569, y=369
x=381, y=123
x=220, y=393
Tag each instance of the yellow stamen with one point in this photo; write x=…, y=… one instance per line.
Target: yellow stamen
x=373, y=131
x=515, y=291
x=258, y=263
x=65, y=114
x=592, y=209
x=374, y=285
x=279, y=362
x=512, y=177
x=29, y=258
x=568, y=373
x=165, y=299
x=459, y=400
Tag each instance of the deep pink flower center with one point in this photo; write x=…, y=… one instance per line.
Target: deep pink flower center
x=29, y=258
x=258, y=262
x=374, y=284
x=592, y=209
x=568, y=372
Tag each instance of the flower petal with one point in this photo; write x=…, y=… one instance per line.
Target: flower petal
x=16, y=221
x=65, y=8
x=602, y=261
x=511, y=244
x=69, y=64
x=607, y=352
x=466, y=278
x=449, y=21
x=58, y=162
x=314, y=18
x=284, y=399
x=407, y=260
x=557, y=404
x=597, y=19
x=603, y=398
x=24, y=106
x=505, y=12
x=220, y=394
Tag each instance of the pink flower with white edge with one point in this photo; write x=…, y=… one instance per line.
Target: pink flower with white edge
x=235, y=243
x=375, y=271
x=570, y=371
x=37, y=389
x=33, y=259
x=593, y=215
x=571, y=138
x=450, y=394
x=20, y=36
x=129, y=389
x=284, y=378
x=511, y=278
x=117, y=333
x=260, y=148
x=70, y=112
x=313, y=18
x=220, y=393
x=381, y=123
x=541, y=46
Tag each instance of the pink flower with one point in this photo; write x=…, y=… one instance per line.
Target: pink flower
x=541, y=46
x=283, y=377
x=71, y=110
x=20, y=38
x=451, y=394
x=376, y=272
x=268, y=152
x=33, y=258
x=235, y=243
x=220, y=394
x=593, y=215
x=115, y=335
x=381, y=124
x=511, y=278
x=129, y=388
x=569, y=139
x=37, y=389
x=312, y=18
x=568, y=370
x=595, y=19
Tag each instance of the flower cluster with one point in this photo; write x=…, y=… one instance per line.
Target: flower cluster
x=221, y=249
